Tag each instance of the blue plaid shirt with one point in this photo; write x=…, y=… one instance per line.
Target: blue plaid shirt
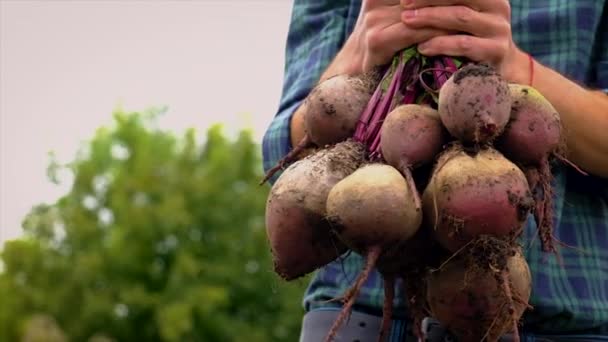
x=569, y=36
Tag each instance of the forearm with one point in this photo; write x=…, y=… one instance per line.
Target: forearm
x=584, y=114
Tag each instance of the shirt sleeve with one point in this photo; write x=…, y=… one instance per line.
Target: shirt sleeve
x=600, y=63
x=316, y=33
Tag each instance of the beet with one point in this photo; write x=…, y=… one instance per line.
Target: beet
x=372, y=210
x=331, y=113
x=373, y=207
x=532, y=136
x=411, y=136
x=481, y=293
x=334, y=106
x=474, y=104
x=474, y=194
x=534, y=129
x=300, y=236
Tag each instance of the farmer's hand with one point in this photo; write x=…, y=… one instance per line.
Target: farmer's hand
x=378, y=34
x=484, y=32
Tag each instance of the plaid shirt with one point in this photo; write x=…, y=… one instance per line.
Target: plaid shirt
x=569, y=36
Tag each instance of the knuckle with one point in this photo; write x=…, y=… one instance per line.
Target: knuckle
x=373, y=39
x=504, y=7
x=465, y=43
x=463, y=14
x=503, y=47
x=369, y=20
x=504, y=28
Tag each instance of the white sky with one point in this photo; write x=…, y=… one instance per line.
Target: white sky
x=65, y=65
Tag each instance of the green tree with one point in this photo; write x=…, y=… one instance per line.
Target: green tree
x=161, y=238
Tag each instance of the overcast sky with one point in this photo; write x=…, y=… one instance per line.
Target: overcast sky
x=65, y=65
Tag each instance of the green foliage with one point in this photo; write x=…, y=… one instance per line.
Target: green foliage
x=161, y=238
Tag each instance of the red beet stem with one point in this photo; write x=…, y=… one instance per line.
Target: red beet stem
x=450, y=64
x=387, y=309
x=384, y=106
x=407, y=173
x=510, y=306
x=289, y=158
x=545, y=209
x=568, y=162
x=372, y=256
x=403, y=75
x=365, y=117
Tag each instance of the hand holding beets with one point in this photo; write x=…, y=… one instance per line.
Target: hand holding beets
x=378, y=35
x=479, y=30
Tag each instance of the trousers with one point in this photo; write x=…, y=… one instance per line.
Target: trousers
x=363, y=327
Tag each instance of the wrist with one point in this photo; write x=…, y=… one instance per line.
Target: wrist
x=519, y=68
x=347, y=61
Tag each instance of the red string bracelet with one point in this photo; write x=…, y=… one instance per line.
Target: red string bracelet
x=531, y=69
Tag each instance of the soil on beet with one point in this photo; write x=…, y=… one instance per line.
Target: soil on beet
x=462, y=205
x=484, y=262
x=474, y=70
x=300, y=237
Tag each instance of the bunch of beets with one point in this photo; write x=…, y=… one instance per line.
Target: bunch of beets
x=429, y=168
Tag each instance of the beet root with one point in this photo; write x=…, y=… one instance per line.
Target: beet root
x=482, y=293
x=470, y=195
x=299, y=234
x=474, y=104
x=387, y=308
x=351, y=295
x=410, y=261
x=411, y=135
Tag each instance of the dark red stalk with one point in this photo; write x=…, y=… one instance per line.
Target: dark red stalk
x=384, y=106
x=402, y=83
x=351, y=296
x=440, y=76
x=387, y=308
x=369, y=110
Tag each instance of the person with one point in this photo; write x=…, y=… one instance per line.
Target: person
x=559, y=48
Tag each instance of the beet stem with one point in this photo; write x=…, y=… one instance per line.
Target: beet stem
x=384, y=106
x=565, y=245
x=450, y=64
x=453, y=256
x=387, y=309
x=373, y=253
x=511, y=308
x=442, y=77
x=568, y=162
x=364, y=118
x=407, y=173
x=493, y=322
x=288, y=159
x=546, y=225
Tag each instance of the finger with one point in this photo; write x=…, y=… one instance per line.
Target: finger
x=382, y=17
x=369, y=4
x=384, y=43
x=490, y=6
x=456, y=18
x=474, y=48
